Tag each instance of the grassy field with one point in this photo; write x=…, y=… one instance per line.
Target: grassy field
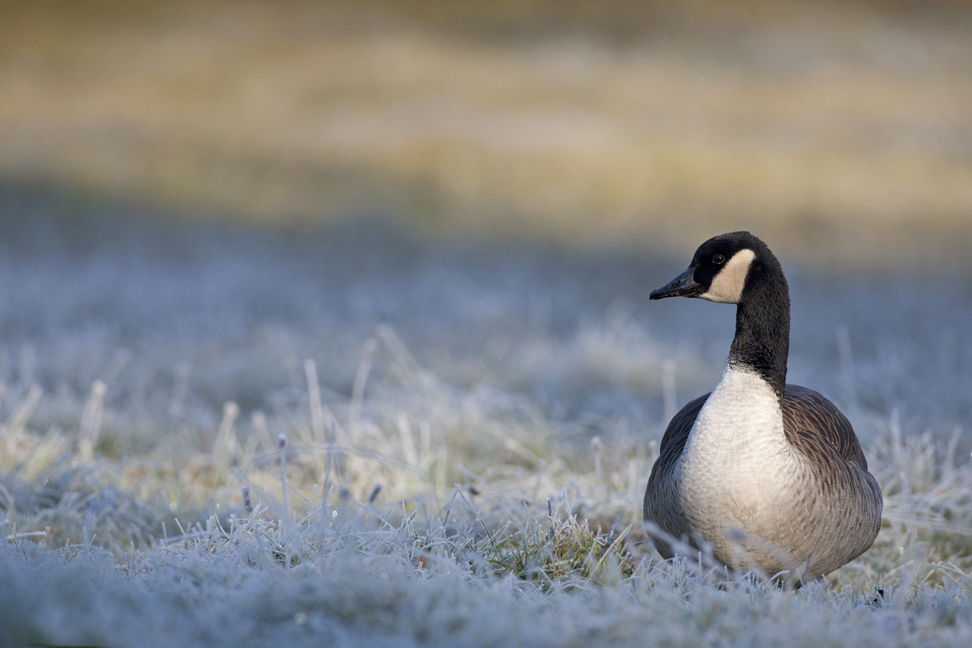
x=328, y=323
x=469, y=430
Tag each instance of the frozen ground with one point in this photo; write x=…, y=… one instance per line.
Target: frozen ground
x=501, y=395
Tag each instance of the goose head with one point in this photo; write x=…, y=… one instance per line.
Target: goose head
x=721, y=269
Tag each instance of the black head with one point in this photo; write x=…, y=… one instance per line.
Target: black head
x=720, y=269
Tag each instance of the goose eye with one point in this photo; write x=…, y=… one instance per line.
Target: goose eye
x=718, y=259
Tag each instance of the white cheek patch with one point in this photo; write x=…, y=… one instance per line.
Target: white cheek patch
x=727, y=286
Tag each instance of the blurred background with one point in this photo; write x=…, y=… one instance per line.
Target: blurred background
x=839, y=131
x=197, y=197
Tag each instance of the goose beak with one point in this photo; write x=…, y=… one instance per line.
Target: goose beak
x=681, y=286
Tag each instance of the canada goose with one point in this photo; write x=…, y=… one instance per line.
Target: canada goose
x=770, y=475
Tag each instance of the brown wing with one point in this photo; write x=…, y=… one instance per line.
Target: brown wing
x=662, y=505
x=807, y=412
x=679, y=427
x=842, y=520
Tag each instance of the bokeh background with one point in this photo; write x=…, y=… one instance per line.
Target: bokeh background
x=840, y=131
x=198, y=197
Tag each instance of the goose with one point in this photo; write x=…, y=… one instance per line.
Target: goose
x=768, y=476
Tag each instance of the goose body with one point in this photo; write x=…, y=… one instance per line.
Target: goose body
x=771, y=476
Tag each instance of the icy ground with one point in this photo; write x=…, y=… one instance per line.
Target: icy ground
x=501, y=394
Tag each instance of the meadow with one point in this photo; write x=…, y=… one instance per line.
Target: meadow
x=469, y=430
x=328, y=323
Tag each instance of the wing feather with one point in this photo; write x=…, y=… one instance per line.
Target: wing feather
x=807, y=412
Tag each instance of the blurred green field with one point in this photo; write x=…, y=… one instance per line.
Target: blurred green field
x=843, y=131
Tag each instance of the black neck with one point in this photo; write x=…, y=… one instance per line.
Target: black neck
x=762, y=339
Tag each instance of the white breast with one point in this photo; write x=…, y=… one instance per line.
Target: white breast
x=735, y=466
